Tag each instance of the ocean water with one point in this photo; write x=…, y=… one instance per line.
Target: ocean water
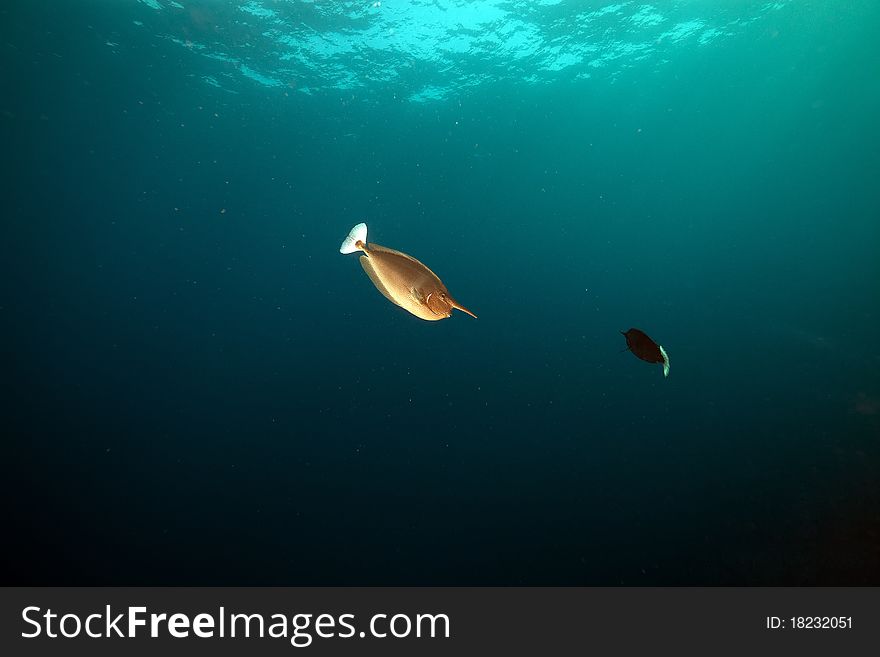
x=199, y=389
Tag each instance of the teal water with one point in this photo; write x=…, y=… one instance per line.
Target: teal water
x=199, y=389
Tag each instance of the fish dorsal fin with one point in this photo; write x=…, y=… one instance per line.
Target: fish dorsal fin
x=368, y=267
x=378, y=248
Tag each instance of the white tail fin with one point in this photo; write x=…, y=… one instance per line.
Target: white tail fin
x=665, y=361
x=357, y=234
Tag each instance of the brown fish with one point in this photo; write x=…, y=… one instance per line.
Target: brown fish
x=403, y=280
x=646, y=349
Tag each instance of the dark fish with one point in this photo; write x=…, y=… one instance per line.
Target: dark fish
x=403, y=280
x=646, y=349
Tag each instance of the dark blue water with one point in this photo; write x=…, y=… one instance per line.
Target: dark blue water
x=199, y=389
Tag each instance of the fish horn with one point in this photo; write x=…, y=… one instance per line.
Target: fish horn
x=456, y=304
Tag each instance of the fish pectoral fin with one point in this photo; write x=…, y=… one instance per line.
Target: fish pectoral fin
x=368, y=268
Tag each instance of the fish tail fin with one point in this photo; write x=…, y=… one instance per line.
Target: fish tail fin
x=456, y=304
x=665, y=361
x=356, y=240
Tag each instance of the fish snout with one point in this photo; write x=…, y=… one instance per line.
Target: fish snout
x=438, y=303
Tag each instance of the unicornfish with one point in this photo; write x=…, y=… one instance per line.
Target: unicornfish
x=645, y=348
x=403, y=280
